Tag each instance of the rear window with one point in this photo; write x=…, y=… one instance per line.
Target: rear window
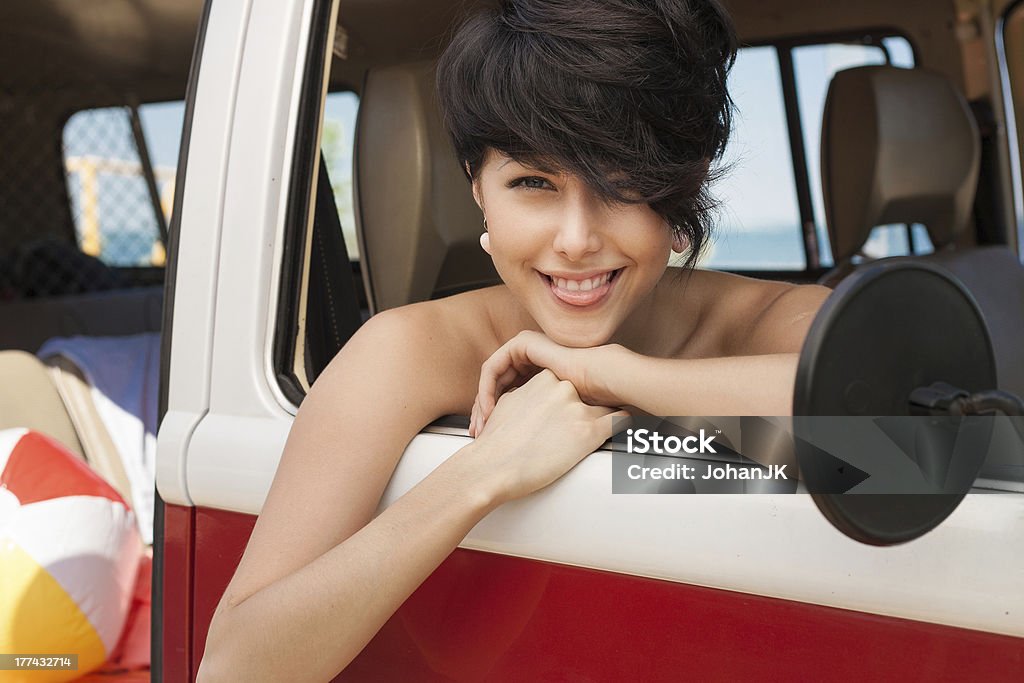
x=120, y=180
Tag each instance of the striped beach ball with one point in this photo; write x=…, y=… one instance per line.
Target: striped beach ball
x=69, y=551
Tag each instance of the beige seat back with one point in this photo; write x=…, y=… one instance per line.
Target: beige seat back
x=897, y=146
x=417, y=223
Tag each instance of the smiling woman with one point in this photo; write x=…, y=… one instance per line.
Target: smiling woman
x=587, y=130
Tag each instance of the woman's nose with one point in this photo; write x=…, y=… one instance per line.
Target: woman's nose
x=578, y=231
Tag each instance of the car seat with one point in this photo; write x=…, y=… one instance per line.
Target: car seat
x=417, y=224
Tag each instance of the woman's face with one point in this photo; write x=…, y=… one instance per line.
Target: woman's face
x=579, y=265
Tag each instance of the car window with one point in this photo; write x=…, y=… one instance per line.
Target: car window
x=161, y=125
x=761, y=218
x=336, y=144
x=117, y=215
x=321, y=300
x=759, y=226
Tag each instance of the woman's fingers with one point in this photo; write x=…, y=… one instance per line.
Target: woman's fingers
x=487, y=399
x=507, y=367
x=512, y=365
x=542, y=430
x=496, y=373
x=614, y=422
x=502, y=382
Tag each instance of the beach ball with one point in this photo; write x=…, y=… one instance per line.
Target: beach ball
x=69, y=552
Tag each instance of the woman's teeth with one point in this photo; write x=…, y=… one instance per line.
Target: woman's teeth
x=582, y=292
x=582, y=285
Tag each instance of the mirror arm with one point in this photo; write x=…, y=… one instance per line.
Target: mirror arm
x=938, y=399
x=944, y=399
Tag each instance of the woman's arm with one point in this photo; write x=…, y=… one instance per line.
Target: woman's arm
x=613, y=375
x=318, y=578
x=309, y=624
x=738, y=385
x=755, y=378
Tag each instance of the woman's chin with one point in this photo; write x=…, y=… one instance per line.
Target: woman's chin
x=577, y=336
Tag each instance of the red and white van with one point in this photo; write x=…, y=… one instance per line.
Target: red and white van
x=315, y=188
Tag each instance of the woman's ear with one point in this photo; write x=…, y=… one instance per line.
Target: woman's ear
x=475, y=184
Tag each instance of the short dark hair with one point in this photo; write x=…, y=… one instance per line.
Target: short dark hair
x=628, y=95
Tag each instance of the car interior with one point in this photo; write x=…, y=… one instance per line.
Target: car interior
x=914, y=101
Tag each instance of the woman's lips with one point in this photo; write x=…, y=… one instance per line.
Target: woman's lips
x=582, y=291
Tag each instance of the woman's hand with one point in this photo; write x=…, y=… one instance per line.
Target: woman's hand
x=526, y=354
x=538, y=433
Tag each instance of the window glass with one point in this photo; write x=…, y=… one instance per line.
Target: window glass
x=337, y=142
x=814, y=66
x=900, y=51
x=896, y=240
x=113, y=211
x=887, y=240
x=161, y=124
x=922, y=242
x=759, y=219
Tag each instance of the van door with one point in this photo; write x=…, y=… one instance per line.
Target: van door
x=574, y=582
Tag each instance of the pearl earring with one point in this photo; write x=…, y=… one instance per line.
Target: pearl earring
x=680, y=243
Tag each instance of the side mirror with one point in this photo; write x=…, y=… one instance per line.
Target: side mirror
x=897, y=371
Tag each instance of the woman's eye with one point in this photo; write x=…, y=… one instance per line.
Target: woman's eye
x=531, y=183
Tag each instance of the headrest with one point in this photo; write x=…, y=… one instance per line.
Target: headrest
x=897, y=146
x=418, y=226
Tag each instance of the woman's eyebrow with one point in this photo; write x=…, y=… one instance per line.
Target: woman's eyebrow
x=540, y=167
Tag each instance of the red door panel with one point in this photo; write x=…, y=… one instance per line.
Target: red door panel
x=176, y=608
x=482, y=616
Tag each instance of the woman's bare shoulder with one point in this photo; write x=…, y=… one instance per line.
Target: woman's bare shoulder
x=750, y=316
x=462, y=321
x=483, y=318
x=721, y=287
x=421, y=346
